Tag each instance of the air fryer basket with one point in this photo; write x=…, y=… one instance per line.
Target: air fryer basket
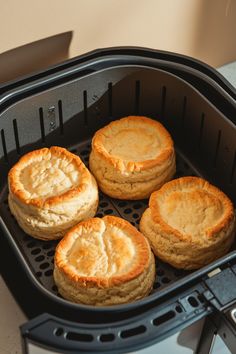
x=67, y=115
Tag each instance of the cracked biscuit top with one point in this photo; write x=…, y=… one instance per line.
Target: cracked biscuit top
x=133, y=143
x=103, y=252
x=191, y=208
x=48, y=176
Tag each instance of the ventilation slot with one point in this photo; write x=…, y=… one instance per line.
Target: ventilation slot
x=217, y=147
x=200, y=298
x=163, y=101
x=193, y=302
x=133, y=332
x=4, y=147
x=58, y=332
x=178, y=309
x=201, y=131
x=184, y=110
x=60, y=117
x=85, y=108
x=164, y=318
x=109, y=337
x=79, y=337
x=42, y=124
x=137, y=97
x=233, y=169
x=16, y=136
x=110, y=109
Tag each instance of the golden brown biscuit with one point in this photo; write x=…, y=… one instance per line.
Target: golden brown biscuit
x=104, y=262
x=132, y=157
x=189, y=223
x=51, y=190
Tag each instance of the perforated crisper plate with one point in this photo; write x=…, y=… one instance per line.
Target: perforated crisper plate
x=40, y=254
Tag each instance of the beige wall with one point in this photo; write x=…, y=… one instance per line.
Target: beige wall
x=204, y=29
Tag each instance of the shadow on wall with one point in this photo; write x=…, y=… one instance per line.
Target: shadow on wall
x=34, y=56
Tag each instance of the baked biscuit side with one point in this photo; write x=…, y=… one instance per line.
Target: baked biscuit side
x=134, y=185
x=189, y=223
x=182, y=253
x=46, y=207
x=118, y=266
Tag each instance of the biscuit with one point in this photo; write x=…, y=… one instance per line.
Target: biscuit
x=189, y=223
x=51, y=190
x=132, y=157
x=104, y=261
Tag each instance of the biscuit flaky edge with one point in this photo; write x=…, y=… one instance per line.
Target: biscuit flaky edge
x=144, y=256
x=15, y=185
x=117, y=163
x=180, y=249
x=203, y=184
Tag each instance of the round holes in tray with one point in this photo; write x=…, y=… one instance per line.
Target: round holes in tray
x=178, y=272
x=128, y=211
x=165, y=280
x=48, y=273
x=160, y=272
x=122, y=204
x=156, y=285
x=35, y=251
x=39, y=258
x=101, y=197
x=50, y=253
x=40, y=254
x=137, y=206
x=38, y=274
x=44, y=265
x=108, y=211
x=31, y=244
x=47, y=246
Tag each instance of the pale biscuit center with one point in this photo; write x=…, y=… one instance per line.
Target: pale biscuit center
x=134, y=144
x=47, y=178
x=191, y=212
x=102, y=255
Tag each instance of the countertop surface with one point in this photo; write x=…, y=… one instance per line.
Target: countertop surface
x=183, y=343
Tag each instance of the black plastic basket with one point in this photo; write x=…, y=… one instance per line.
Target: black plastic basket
x=64, y=106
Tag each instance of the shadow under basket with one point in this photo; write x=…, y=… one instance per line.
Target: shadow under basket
x=66, y=108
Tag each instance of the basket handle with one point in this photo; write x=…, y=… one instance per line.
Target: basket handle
x=214, y=297
x=128, y=335
x=221, y=295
